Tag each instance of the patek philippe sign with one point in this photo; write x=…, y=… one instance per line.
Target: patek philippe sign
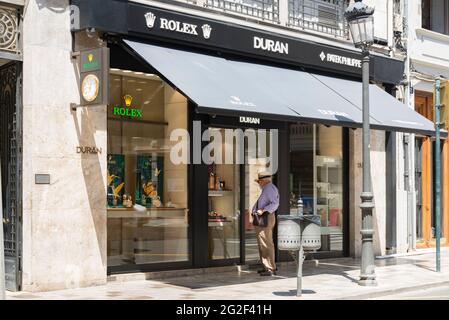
x=337, y=59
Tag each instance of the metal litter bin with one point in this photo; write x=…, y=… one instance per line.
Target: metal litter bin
x=297, y=231
x=289, y=233
x=297, y=234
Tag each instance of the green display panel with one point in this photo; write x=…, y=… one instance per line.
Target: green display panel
x=149, y=179
x=116, y=179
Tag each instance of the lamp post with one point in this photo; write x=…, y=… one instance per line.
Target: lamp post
x=361, y=23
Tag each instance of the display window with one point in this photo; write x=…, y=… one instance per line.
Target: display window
x=316, y=178
x=147, y=198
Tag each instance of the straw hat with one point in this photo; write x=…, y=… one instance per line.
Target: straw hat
x=263, y=175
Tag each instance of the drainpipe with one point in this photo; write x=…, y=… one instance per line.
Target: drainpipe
x=409, y=138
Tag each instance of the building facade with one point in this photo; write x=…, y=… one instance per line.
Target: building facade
x=426, y=39
x=94, y=189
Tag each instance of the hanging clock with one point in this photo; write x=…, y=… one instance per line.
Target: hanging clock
x=90, y=87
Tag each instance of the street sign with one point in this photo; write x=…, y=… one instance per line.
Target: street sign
x=94, y=76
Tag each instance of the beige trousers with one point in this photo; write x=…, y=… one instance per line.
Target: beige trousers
x=266, y=244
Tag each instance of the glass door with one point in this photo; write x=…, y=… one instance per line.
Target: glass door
x=233, y=191
x=260, y=156
x=223, y=207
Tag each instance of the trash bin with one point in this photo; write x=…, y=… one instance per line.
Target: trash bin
x=289, y=233
x=299, y=233
x=292, y=228
x=311, y=232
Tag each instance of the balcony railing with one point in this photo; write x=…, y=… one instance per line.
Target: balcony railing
x=326, y=16
x=261, y=9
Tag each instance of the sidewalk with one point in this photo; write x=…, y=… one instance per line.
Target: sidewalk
x=330, y=279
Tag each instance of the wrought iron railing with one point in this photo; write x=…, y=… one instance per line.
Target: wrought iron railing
x=9, y=30
x=261, y=9
x=326, y=16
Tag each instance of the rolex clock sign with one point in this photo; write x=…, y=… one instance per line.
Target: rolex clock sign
x=94, y=77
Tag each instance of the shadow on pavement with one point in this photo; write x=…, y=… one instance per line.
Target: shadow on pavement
x=292, y=293
x=339, y=267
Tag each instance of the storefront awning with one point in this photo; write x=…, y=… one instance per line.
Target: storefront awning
x=228, y=87
x=387, y=113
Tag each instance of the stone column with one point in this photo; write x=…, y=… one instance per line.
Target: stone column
x=64, y=223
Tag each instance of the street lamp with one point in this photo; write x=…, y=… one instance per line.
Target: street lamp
x=361, y=23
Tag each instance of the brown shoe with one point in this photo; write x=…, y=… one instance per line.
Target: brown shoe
x=268, y=273
x=261, y=270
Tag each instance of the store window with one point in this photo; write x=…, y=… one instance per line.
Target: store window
x=147, y=194
x=316, y=178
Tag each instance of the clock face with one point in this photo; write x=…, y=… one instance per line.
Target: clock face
x=90, y=87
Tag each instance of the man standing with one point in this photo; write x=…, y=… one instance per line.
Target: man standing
x=268, y=202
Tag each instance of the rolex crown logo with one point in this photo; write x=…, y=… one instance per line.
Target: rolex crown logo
x=207, y=29
x=150, y=18
x=128, y=100
x=90, y=57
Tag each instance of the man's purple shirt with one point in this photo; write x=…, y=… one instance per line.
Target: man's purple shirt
x=268, y=199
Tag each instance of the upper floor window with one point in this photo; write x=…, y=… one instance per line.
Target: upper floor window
x=435, y=15
x=325, y=16
x=262, y=9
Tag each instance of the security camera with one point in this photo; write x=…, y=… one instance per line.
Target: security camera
x=91, y=32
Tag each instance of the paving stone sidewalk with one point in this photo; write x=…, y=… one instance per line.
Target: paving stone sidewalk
x=323, y=280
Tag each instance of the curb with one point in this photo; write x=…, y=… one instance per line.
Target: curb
x=394, y=291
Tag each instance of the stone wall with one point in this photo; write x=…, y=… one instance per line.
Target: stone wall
x=64, y=223
x=378, y=176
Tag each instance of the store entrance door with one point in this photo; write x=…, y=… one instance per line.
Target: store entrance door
x=232, y=192
x=224, y=205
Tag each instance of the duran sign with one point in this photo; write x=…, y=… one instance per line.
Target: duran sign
x=270, y=45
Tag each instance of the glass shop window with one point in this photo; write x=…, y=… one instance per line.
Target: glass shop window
x=316, y=178
x=147, y=194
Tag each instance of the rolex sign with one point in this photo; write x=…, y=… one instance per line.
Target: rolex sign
x=94, y=77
